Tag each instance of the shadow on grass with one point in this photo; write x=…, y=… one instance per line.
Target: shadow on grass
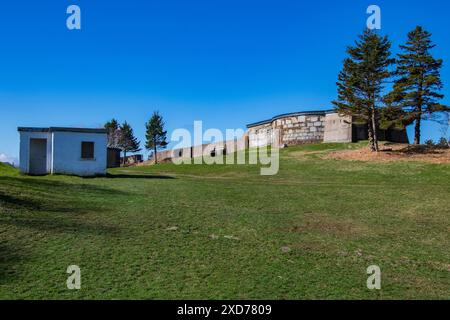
x=137, y=176
x=22, y=195
x=57, y=225
x=10, y=261
x=16, y=251
x=55, y=186
x=15, y=202
x=32, y=208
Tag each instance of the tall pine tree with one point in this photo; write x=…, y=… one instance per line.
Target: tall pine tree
x=155, y=134
x=416, y=92
x=127, y=141
x=362, y=81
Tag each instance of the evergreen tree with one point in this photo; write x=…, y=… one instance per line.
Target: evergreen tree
x=113, y=132
x=416, y=90
x=155, y=134
x=361, y=82
x=127, y=141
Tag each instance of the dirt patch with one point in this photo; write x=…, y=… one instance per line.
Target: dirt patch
x=306, y=154
x=395, y=152
x=151, y=162
x=326, y=224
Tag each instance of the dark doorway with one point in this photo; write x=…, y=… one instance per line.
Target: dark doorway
x=38, y=156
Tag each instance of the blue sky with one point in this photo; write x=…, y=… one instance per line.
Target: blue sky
x=228, y=63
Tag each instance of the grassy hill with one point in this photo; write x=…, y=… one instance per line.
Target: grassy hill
x=223, y=232
x=6, y=169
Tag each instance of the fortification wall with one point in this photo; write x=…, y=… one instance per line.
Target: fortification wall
x=337, y=128
x=211, y=149
x=301, y=129
x=261, y=135
x=285, y=130
x=292, y=130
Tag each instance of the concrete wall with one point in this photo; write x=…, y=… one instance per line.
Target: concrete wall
x=24, y=158
x=189, y=153
x=260, y=136
x=291, y=129
x=301, y=129
x=67, y=153
x=337, y=128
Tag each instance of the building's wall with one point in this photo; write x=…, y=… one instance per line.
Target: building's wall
x=24, y=157
x=337, y=128
x=188, y=153
x=301, y=129
x=292, y=130
x=260, y=136
x=67, y=153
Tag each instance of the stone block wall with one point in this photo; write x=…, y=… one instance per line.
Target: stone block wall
x=260, y=136
x=288, y=130
x=301, y=129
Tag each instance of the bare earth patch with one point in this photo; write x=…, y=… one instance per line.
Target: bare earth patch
x=395, y=152
x=326, y=224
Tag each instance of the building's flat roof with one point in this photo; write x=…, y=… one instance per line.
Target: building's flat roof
x=62, y=129
x=293, y=114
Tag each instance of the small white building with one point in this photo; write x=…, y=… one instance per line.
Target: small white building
x=76, y=151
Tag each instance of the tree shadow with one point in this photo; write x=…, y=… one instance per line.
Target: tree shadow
x=414, y=150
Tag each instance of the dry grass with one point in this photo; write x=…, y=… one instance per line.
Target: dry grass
x=329, y=225
x=395, y=152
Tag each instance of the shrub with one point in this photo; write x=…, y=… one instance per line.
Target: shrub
x=443, y=143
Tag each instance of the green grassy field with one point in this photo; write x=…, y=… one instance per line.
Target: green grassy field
x=225, y=232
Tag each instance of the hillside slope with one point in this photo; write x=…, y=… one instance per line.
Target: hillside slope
x=226, y=232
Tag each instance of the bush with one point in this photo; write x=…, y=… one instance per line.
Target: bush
x=443, y=143
x=429, y=143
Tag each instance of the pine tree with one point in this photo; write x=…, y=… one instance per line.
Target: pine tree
x=416, y=90
x=127, y=141
x=361, y=82
x=155, y=135
x=113, y=132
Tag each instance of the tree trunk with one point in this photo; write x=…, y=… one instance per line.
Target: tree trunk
x=370, y=133
x=419, y=113
x=124, y=158
x=417, y=129
x=374, y=128
x=156, y=154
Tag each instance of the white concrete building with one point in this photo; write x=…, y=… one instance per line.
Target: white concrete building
x=74, y=151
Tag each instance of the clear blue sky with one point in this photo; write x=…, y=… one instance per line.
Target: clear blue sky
x=227, y=63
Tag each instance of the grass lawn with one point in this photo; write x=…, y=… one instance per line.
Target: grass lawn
x=224, y=232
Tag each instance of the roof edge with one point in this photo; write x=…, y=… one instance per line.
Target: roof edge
x=292, y=114
x=62, y=129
